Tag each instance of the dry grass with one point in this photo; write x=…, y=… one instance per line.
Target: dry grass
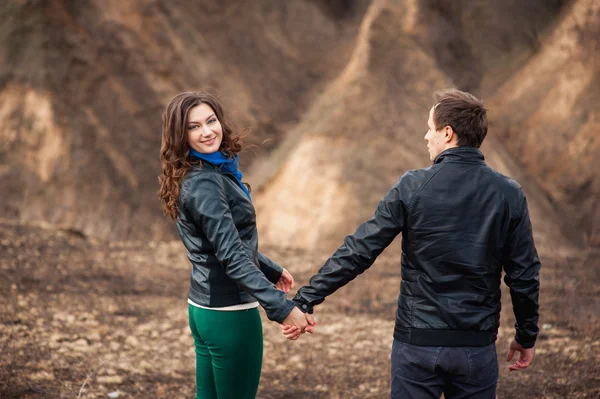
x=84, y=318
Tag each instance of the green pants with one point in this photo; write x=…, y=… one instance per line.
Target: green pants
x=229, y=351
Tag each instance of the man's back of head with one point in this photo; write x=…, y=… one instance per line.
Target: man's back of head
x=457, y=119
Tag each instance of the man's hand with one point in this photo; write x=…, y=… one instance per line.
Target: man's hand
x=292, y=332
x=525, y=356
x=286, y=282
x=296, y=319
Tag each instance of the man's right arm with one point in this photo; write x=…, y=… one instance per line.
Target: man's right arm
x=522, y=268
x=358, y=252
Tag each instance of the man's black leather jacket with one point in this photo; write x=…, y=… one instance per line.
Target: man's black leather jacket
x=217, y=224
x=461, y=223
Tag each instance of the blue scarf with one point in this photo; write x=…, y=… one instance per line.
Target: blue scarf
x=227, y=165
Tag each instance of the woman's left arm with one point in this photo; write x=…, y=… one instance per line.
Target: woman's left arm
x=271, y=269
x=276, y=274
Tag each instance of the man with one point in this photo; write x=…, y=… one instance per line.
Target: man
x=462, y=222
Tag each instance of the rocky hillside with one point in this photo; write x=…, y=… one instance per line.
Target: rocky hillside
x=83, y=85
x=336, y=94
x=367, y=128
x=547, y=115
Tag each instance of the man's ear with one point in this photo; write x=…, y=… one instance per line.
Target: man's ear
x=448, y=134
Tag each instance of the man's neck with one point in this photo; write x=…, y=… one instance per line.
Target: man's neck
x=448, y=146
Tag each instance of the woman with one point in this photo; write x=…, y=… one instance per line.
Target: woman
x=201, y=189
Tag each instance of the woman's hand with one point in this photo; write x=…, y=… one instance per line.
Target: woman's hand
x=292, y=332
x=286, y=282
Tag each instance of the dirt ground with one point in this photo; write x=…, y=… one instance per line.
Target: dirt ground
x=83, y=318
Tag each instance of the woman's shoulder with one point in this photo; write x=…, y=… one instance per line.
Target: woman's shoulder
x=199, y=173
x=201, y=180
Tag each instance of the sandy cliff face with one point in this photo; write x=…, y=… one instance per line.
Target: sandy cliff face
x=83, y=85
x=337, y=93
x=547, y=115
x=367, y=129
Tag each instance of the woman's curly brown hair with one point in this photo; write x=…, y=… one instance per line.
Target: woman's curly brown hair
x=174, y=151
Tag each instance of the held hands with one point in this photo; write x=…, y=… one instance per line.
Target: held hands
x=297, y=323
x=525, y=356
x=286, y=282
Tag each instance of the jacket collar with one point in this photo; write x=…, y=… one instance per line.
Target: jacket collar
x=467, y=154
x=208, y=166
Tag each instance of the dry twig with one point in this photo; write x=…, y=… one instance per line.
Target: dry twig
x=87, y=379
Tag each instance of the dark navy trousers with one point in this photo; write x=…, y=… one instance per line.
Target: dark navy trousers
x=423, y=372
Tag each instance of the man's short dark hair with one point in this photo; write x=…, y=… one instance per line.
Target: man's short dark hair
x=464, y=113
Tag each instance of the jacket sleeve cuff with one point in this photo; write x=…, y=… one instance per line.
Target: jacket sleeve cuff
x=526, y=344
x=280, y=316
x=302, y=305
x=270, y=269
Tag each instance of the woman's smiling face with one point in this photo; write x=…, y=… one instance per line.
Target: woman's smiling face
x=205, y=133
